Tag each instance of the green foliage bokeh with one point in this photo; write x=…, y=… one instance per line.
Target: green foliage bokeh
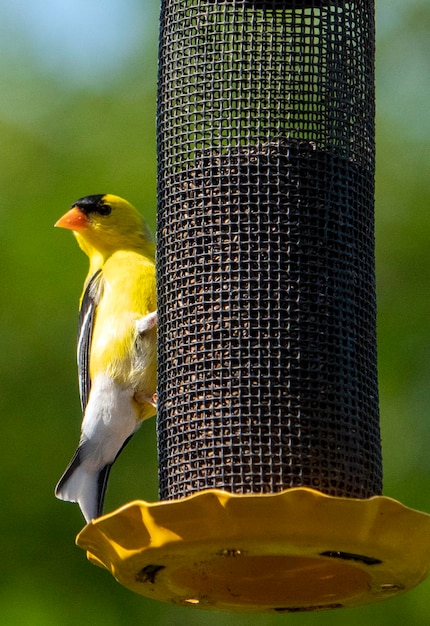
x=62, y=140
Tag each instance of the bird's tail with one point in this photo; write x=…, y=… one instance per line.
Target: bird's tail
x=87, y=488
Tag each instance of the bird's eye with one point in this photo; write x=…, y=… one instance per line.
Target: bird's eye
x=105, y=209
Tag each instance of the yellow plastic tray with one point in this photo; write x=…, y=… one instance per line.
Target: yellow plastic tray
x=298, y=550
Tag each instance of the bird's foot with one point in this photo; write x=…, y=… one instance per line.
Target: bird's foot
x=142, y=398
x=146, y=323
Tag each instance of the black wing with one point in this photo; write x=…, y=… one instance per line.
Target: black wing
x=87, y=311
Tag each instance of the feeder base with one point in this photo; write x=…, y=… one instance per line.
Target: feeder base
x=298, y=550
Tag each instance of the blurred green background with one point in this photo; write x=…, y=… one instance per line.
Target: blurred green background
x=77, y=116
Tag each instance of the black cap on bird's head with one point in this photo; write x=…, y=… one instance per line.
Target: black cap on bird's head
x=93, y=204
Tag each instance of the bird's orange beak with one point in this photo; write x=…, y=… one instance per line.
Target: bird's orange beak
x=73, y=220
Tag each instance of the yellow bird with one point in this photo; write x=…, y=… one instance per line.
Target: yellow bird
x=117, y=341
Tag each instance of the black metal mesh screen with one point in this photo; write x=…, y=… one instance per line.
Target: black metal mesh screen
x=267, y=351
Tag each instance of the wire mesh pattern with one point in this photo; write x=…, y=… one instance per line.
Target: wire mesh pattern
x=267, y=349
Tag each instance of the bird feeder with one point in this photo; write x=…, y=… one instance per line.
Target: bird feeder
x=270, y=465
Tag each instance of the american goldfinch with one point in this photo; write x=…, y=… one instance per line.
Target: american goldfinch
x=117, y=341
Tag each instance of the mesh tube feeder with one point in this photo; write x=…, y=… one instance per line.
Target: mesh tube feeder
x=268, y=427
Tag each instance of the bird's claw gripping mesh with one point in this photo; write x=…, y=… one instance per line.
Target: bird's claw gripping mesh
x=267, y=357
